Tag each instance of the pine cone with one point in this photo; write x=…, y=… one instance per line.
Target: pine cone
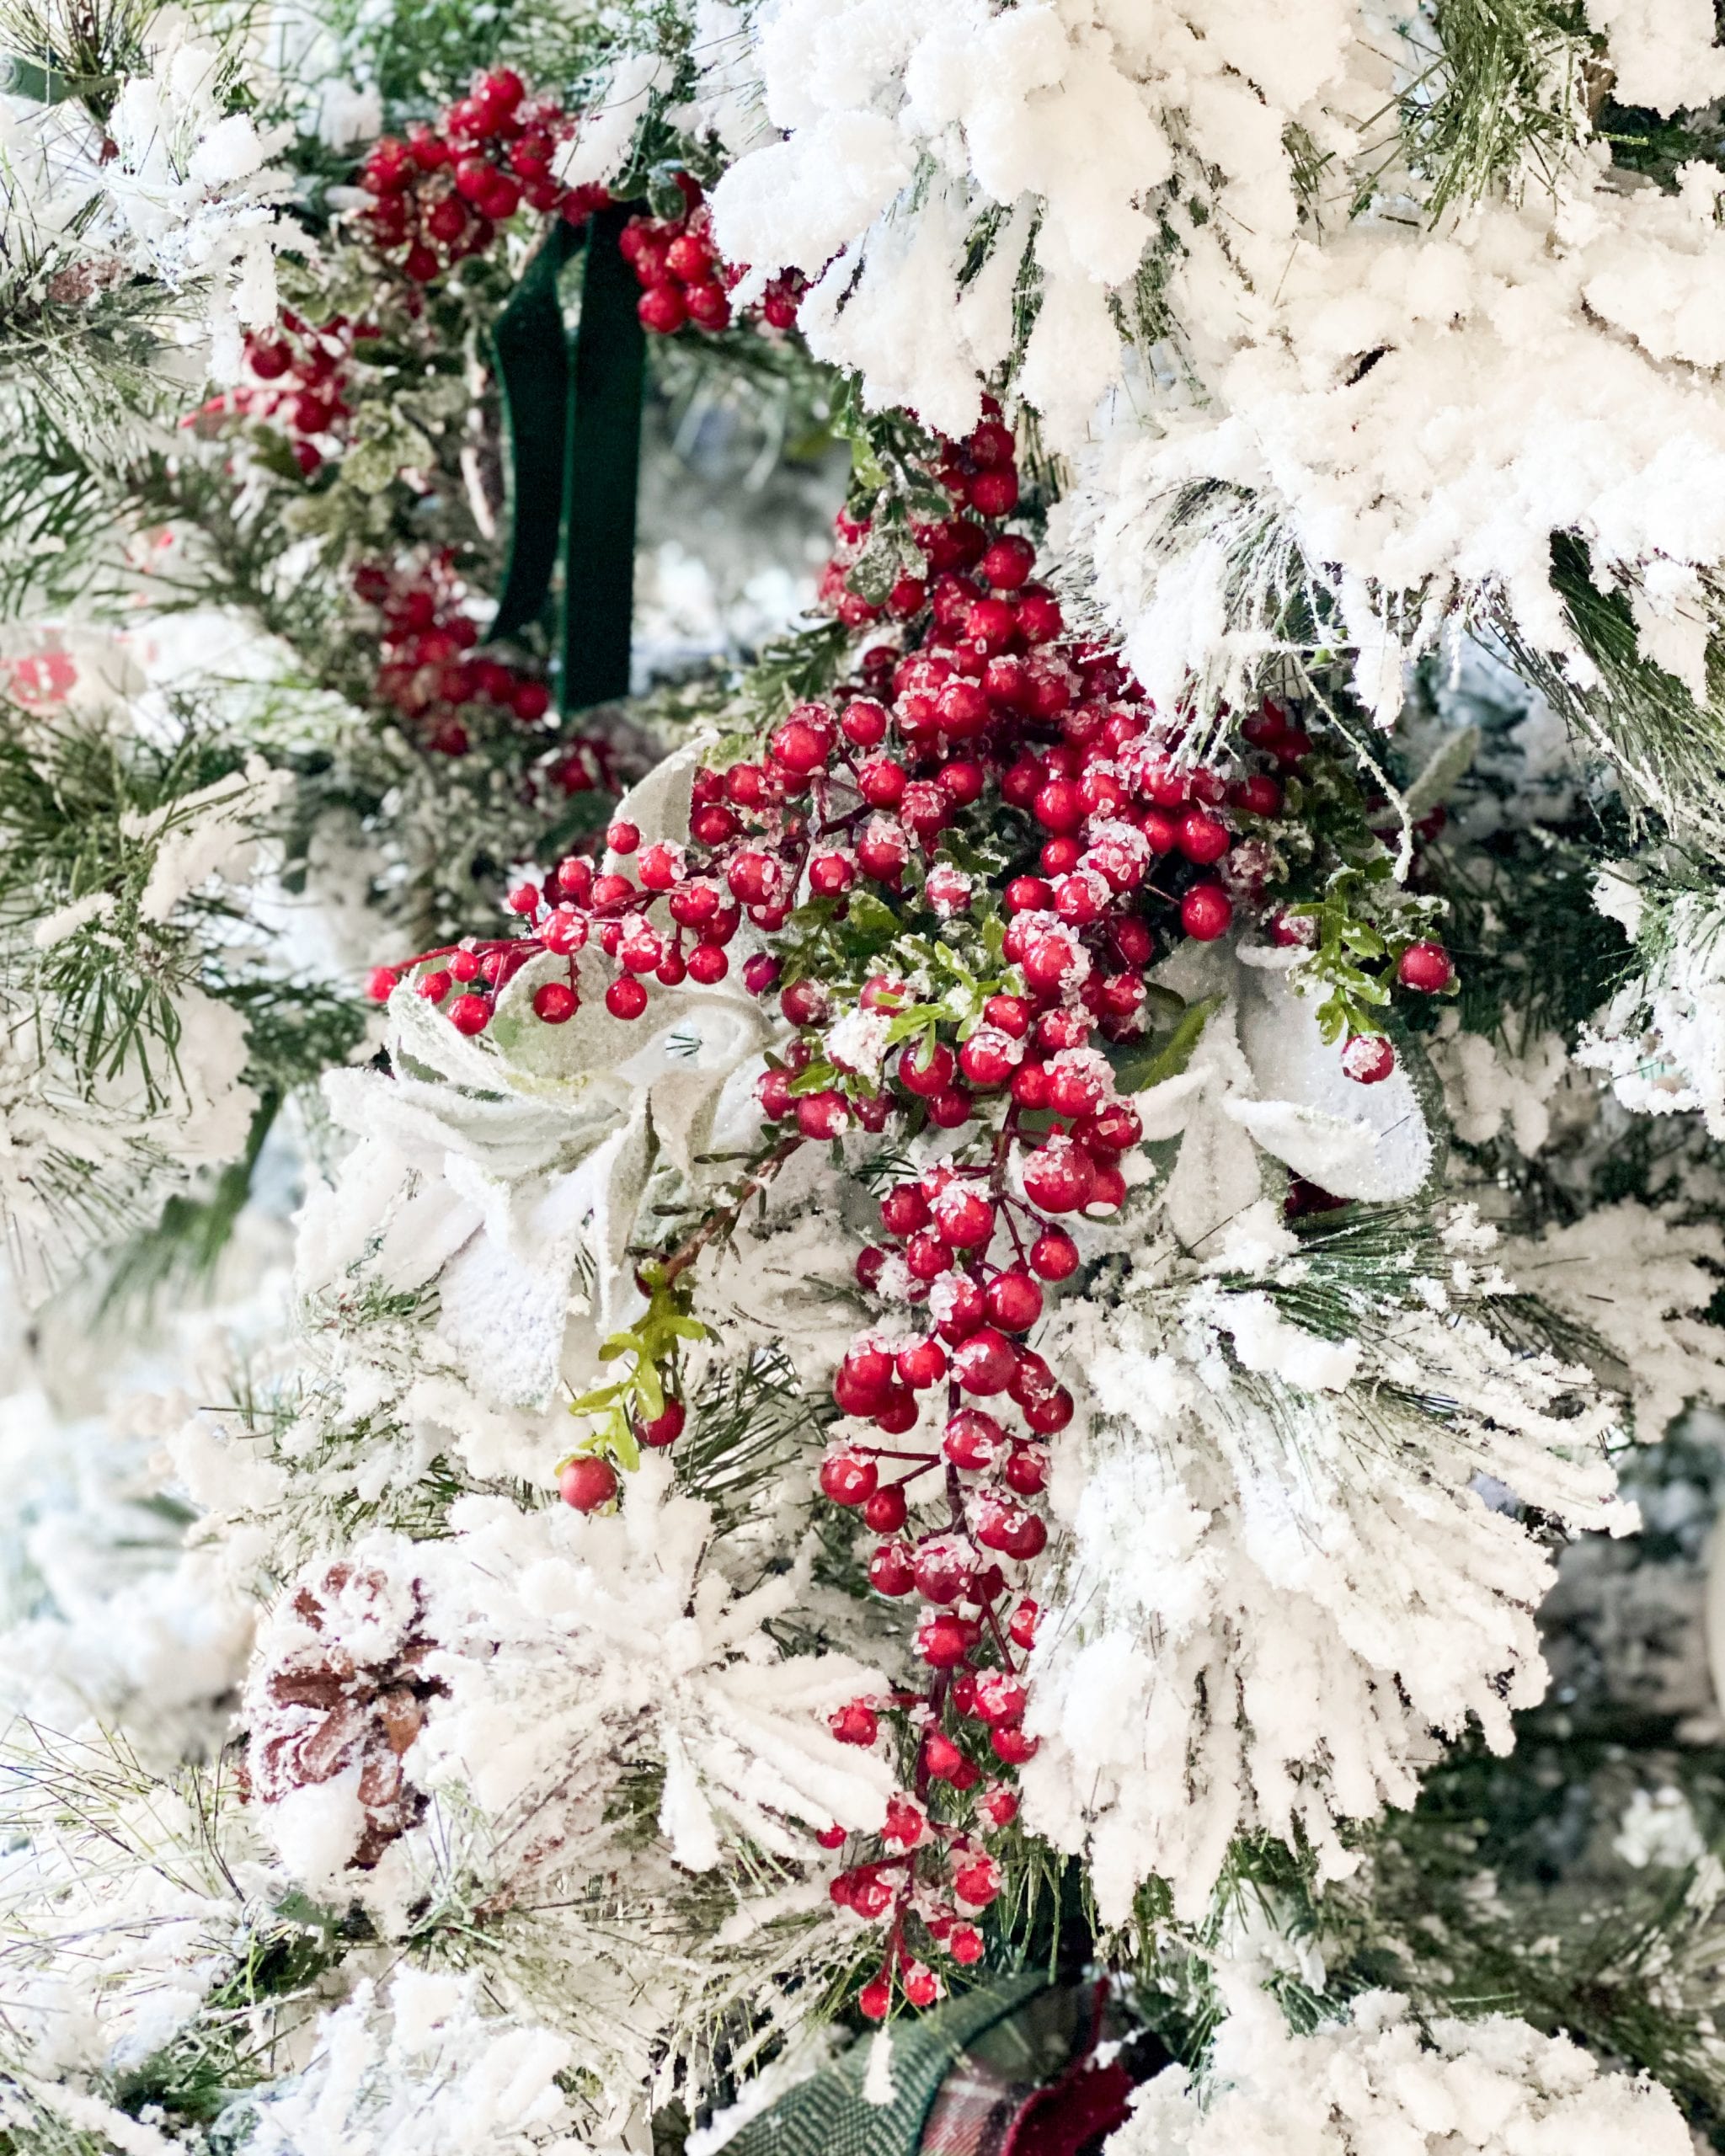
x=345, y=1686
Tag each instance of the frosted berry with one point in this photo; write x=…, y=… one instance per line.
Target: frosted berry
x=1058, y=1177
x=848, y=1478
x=1424, y=966
x=1368, y=1058
x=985, y=1363
x=855, y=1724
x=889, y=1569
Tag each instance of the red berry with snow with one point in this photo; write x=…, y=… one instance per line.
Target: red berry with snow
x=1368, y=1058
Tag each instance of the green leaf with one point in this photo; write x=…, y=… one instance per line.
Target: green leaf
x=1136, y=1072
x=871, y=920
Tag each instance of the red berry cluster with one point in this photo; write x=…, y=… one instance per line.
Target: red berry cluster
x=441, y=195
x=430, y=674
x=677, y=267
x=683, y=280
x=299, y=380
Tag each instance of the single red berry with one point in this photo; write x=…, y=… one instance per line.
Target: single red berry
x=978, y=1882
x=848, y=1478
x=1259, y=795
x=941, y=1756
x=1058, y=1177
x=1368, y=1058
x=891, y=1570
x=662, y=309
x=884, y=1513
x=1425, y=966
x=904, y=1210
x=1021, y=1625
x=663, y=1429
x=434, y=987
x=963, y=1216
x=382, y=985
x=1054, y=1255
x=1011, y=1747
x=831, y=1838
x=625, y=999
x=950, y=1110
x=1026, y=1470
x=622, y=837
x=961, y=1308
x=875, y=1998
x=470, y=1014
x=804, y=1002
x=587, y=1483
x=1206, y=912
x=1040, y=619
x=855, y=1724
x=943, y=1569
x=964, y=1944
x=554, y=1001
x=1009, y=563
x=1202, y=839
x=985, y=1363
x=823, y=1115
x=971, y=1439
x=925, y=1068
x=1014, y=1301
x=994, y=494
x=943, y=1640
x=803, y=743
x=921, y=1985
x=922, y=1364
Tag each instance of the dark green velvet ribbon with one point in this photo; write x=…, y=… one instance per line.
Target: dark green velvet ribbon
x=572, y=434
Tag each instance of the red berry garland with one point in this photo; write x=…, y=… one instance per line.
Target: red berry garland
x=982, y=721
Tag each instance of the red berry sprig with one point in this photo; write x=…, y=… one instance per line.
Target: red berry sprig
x=677, y=267
x=683, y=281
x=441, y=195
x=297, y=380
x=430, y=675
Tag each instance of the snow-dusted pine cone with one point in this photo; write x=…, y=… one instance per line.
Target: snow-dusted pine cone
x=340, y=1689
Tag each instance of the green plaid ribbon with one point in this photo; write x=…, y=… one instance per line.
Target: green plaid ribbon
x=829, y=2115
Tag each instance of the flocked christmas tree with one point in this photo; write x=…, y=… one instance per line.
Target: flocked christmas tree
x=921, y=1343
